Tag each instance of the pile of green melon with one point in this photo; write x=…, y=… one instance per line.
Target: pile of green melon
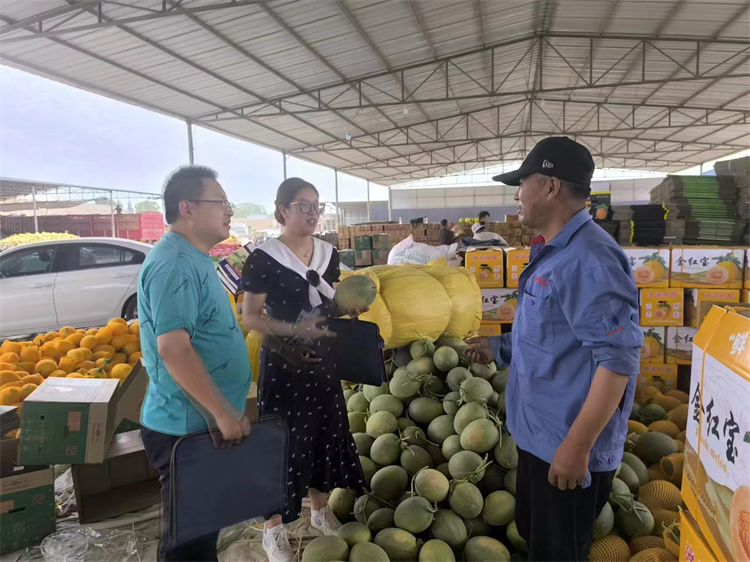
x=441, y=468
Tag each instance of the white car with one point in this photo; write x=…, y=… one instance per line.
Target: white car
x=80, y=282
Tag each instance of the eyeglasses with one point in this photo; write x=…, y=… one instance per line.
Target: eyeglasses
x=307, y=208
x=223, y=202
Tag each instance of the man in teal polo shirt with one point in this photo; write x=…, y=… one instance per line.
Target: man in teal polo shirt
x=193, y=348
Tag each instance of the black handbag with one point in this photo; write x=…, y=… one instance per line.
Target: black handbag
x=215, y=488
x=357, y=351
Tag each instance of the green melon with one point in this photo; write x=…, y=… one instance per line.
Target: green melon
x=369, y=468
x=619, y=488
x=500, y=380
x=414, y=459
x=404, y=385
x=651, y=413
x=450, y=528
x=367, y=552
x=468, y=413
x=357, y=422
x=464, y=465
x=414, y=436
x=421, y=348
x=371, y=391
x=510, y=481
x=414, y=515
x=444, y=469
x=436, y=551
x=341, y=502
x=480, y=436
x=348, y=393
x=506, y=453
x=450, y=403
x=485, y=549
x=325, y=549
x=640, y=469
x=386, y=403
x=363, y=443
x=494, y=480
x=398, y=544
x=380, y=519
x=476, y=390
x=456, y=376
x=456, y=343
x=476, y=527
x=653, y=446
x=499, y=508
x=486, y=372
x=404, y=422
x=381, y=423
x=353, y=533
x=635, y=412
x=500, y=402
x=466, y=500
x=432, y=485
x=445, y=358
x=389, y=483
x=451, y=446
x=604, y=522
x=628, y=475
x=441, y=428
x=635, y=522
x=356, y=292
x=386, y=449
x=423, y=410
x=514, y=537
x=357, y=403
x=436, y=452
x=421, y=366
x=433, y=386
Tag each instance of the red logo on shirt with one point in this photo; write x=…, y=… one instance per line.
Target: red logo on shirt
x=541, y=281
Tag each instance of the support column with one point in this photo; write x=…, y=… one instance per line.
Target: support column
x=283, y=162
x=390, y=205
x=33, y=200
x=369, y=216
x=191, y=149
x=338, y=216
x=112, y=214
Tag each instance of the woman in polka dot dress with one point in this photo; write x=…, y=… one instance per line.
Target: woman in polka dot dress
x=291, y=278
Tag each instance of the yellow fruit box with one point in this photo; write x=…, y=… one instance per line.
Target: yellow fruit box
x=650, y=266
x=679, y=345
x=693, y=545
x=745, y=296
x=516, y=260
x=499, y=305
x=716, y=473
x=695, y=299
x=487, y=265
x=662, y=307
x=651, y=372
x=696, y=266
x=652, y=350
x=746, y=284
x=490, y=329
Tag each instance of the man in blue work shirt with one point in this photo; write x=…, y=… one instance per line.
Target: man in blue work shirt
x=573, y=353
x=193, y=348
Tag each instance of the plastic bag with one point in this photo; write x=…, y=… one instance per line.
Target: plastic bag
x=409, y=251
x=84, y=543
x=254, y=340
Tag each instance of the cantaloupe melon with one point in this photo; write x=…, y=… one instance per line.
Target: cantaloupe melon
x=450, y=528
x=325, y=549
x=398, y=544
x=432, y=485
x=354, y=532
x=485, y=549
x=436, y=551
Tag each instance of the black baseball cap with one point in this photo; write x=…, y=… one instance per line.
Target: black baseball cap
x=560, y=157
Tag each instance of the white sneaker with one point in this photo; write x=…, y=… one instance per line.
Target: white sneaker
x=276, y=544
x=324, y=520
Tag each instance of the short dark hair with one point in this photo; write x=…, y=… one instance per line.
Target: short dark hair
x=577, y=190
x=444, y=222
x=484, y=214
x=184, y=184
x=286, y=193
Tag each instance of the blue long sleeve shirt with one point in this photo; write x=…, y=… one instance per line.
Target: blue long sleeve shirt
x=577, y=310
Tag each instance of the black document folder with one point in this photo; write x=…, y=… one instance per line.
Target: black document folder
x=358, y=351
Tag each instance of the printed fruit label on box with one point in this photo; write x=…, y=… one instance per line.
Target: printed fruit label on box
x=650, y=266
x=652, y=350
x=499, y=305
x=693, y=545
x=661, y=307
x=663, y=375
x=707, y=267
x=487, y=265
x=490, y=329
x=694, y=298
x=719, y=401
x=516, y=260
x=680, y=345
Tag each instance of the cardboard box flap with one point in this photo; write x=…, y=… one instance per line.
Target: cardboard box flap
x=130, y=394
x=83, y=391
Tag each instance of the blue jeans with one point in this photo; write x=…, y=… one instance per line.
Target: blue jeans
x=159, y=451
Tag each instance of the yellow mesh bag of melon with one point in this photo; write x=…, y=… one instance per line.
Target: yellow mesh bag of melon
x=679, y=394
x=666, y=402
x=611, y=548
x=654, y=555
x=660, y=494
x=664, y=518
x=639, y=544
x=665, y=427
x=636, y=427
x=466, y=297
x=679, y=416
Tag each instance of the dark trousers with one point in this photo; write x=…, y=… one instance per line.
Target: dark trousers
x=159, y=450
x=557, y=525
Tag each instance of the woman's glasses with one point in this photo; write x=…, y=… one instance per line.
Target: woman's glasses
x=307, y=208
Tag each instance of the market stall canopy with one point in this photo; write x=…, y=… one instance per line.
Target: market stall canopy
x=398, y=91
